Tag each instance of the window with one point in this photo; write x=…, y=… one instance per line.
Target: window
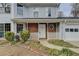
x=19, y=9
x=7, y=27
x=7, y=9
x=35, y=14
x=67, y=29
x=51, y=27
x=1, y=30
x=33, y=27
x=71, y=30
x=19, y=5
x=49, y=12
x=19, y=27
x=1, y=34
x=1, y=27
x=76, y=30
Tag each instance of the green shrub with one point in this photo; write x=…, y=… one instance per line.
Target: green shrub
x=9, y=36
x=54, y=52
x=63, y=52
x=25, y=35
x=61, y=43
x=66, y=52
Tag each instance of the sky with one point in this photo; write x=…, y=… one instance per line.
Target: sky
x=66, y=9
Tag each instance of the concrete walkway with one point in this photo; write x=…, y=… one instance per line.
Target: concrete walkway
x=75, y=43
x=45, y=43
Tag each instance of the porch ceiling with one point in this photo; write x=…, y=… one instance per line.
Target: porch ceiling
x=37, y=20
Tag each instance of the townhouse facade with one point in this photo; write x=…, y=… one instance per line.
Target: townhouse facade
x=41, y=19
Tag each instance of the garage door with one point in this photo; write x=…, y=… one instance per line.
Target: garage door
x=72, y=32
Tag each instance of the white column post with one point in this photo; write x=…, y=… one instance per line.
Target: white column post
x=38, y=31
x=47, y=31
x=13, y=27
x=27, y=25
x=4, y=29
x=61, y=30
x=56, y=30
x=24, y=27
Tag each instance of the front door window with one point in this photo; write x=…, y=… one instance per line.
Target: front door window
x=51, y=27
x=19, y=27
x=7, y=27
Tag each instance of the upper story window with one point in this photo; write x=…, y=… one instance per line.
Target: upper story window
x=19, y=27
x=49, y=12
x=5, y=8
x=19, y=9
x=35, y=14
x=19, y=5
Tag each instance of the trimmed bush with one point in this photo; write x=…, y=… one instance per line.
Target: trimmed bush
x=25, y=35
x=9, y=36
x=61, y=43
x=54, y=52
x=63, y=52
x=66, y=52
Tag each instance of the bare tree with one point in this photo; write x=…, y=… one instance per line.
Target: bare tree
x=75, y=9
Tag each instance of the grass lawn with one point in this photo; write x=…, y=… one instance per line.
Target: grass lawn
x=32, y=48
x=50, y=52
x=62, y=43
x=3, y=42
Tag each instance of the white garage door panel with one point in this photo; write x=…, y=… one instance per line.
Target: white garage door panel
x=72, y=35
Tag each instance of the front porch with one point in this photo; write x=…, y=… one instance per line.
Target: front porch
x=40, y=30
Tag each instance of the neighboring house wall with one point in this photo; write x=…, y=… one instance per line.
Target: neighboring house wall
x=4, y=17
x=7, y=17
